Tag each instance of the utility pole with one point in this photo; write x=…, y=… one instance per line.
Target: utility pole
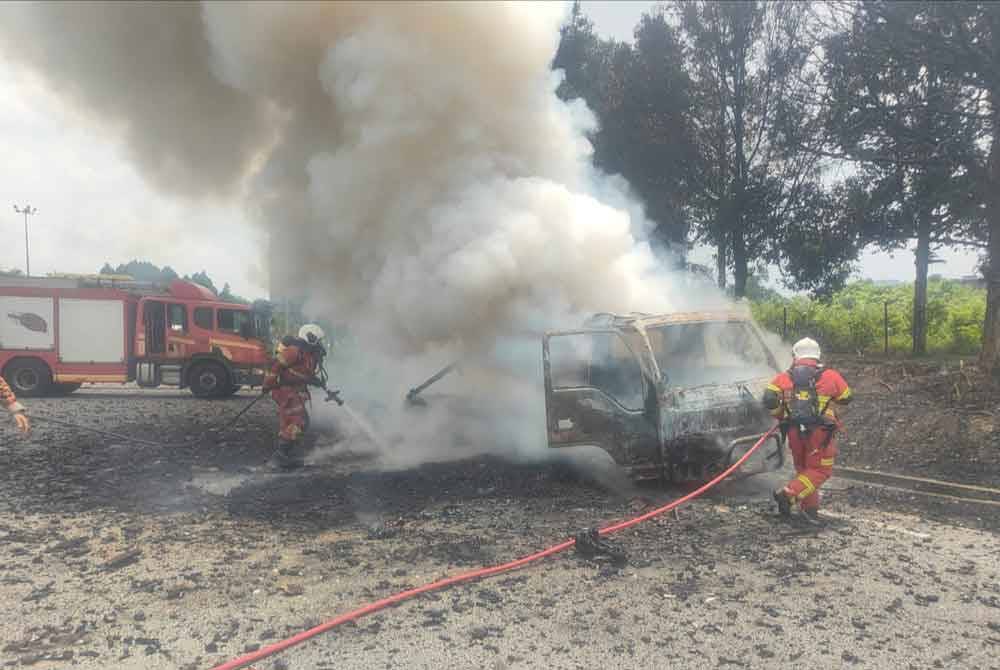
x=27, y=211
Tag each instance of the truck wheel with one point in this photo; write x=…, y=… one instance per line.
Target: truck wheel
x=64, y=388
x=209, y=380
x=28, y=377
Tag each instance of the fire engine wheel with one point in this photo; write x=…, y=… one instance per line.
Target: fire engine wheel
x=28, y=377
x=209, y=380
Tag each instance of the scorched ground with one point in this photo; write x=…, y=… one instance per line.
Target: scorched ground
x=123, y=556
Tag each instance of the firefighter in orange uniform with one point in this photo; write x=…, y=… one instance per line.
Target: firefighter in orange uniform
x=298, y=364
x=8, y=400
x=803, y=400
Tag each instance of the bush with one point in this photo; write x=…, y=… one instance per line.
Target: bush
x=852, y=320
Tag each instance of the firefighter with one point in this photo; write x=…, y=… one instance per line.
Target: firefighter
x=8, y=400
x=803, y=399
x=298, y=364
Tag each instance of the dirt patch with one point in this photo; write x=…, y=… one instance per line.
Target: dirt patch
x=937, y=419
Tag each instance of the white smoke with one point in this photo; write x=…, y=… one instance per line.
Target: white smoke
x=421, y=182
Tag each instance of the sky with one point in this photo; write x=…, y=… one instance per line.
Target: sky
x=93, y=206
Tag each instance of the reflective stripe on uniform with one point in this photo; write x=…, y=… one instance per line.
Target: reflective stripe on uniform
x=809, y=487
x=845, y=395
x=826, y=462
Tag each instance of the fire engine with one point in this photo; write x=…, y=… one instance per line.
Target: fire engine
x=61, y=331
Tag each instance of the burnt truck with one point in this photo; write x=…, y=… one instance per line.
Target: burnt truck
x=670, y=396
x=674, y=397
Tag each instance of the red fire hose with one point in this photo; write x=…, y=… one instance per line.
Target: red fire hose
x=481, y=573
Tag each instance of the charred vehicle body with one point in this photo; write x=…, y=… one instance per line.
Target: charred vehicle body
x=667, y=396
x=672, y=397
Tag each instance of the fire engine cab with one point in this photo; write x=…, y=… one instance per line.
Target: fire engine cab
x=61, y=331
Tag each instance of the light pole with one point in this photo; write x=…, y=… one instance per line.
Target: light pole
x=27, y=210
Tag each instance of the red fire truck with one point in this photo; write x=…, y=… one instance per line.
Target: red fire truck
x=61, y=331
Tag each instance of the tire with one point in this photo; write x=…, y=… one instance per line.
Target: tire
x=209, y=380
x=28, y=377
x=60, y=389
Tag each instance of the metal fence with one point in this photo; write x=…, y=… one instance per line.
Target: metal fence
x=872, y=328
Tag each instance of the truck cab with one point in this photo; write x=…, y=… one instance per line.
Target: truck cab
x=190, y=338
x=673, y=396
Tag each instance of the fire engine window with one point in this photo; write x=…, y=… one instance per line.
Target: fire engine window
x=203, y=317
x=233, y=320
x=177, y=318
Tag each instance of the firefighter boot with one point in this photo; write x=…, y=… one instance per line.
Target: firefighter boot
x=784, y=504
x=811, y=517
x=284, y=457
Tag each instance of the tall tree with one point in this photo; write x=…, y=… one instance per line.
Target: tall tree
x=970, y=51
x=750, y=63
x=640, y=95
x=202, y=279
x=654, y=116
x=893, y=111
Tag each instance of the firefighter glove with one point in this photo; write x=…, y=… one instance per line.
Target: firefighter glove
x=23, y=424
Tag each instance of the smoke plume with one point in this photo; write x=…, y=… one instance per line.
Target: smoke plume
x=420, y=181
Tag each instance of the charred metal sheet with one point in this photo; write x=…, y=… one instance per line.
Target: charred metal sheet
x=684, y=432
x=586, y=417
x=414, y=392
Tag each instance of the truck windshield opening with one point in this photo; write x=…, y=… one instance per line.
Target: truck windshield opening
x=718, y=352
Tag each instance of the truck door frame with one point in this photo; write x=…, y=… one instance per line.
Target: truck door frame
x=587, y=414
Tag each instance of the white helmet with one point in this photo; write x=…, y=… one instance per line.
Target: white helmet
x=311, y=333
x=806, y=348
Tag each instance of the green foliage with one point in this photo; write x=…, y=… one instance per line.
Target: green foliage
x=140, y=271
x=202, y=279
x=640, y=95
x=852, y=320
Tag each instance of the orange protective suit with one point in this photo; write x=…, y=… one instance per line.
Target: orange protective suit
x=7, y=398
x=814, y=452
x=293, y=369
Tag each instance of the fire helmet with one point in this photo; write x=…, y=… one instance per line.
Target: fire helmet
x=311, y=333
x=806, y=348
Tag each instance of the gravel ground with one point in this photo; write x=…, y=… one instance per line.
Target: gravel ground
x=123, y=556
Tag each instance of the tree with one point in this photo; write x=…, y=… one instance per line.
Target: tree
x=750, y=63
x=145, y=271
x=227, y=295
x=640, y=97
x=821, y=234
x=656, y=112
x=578, y=57
x=961, y=43
x=894, y=111
x=202, y=279
x=138, y=270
